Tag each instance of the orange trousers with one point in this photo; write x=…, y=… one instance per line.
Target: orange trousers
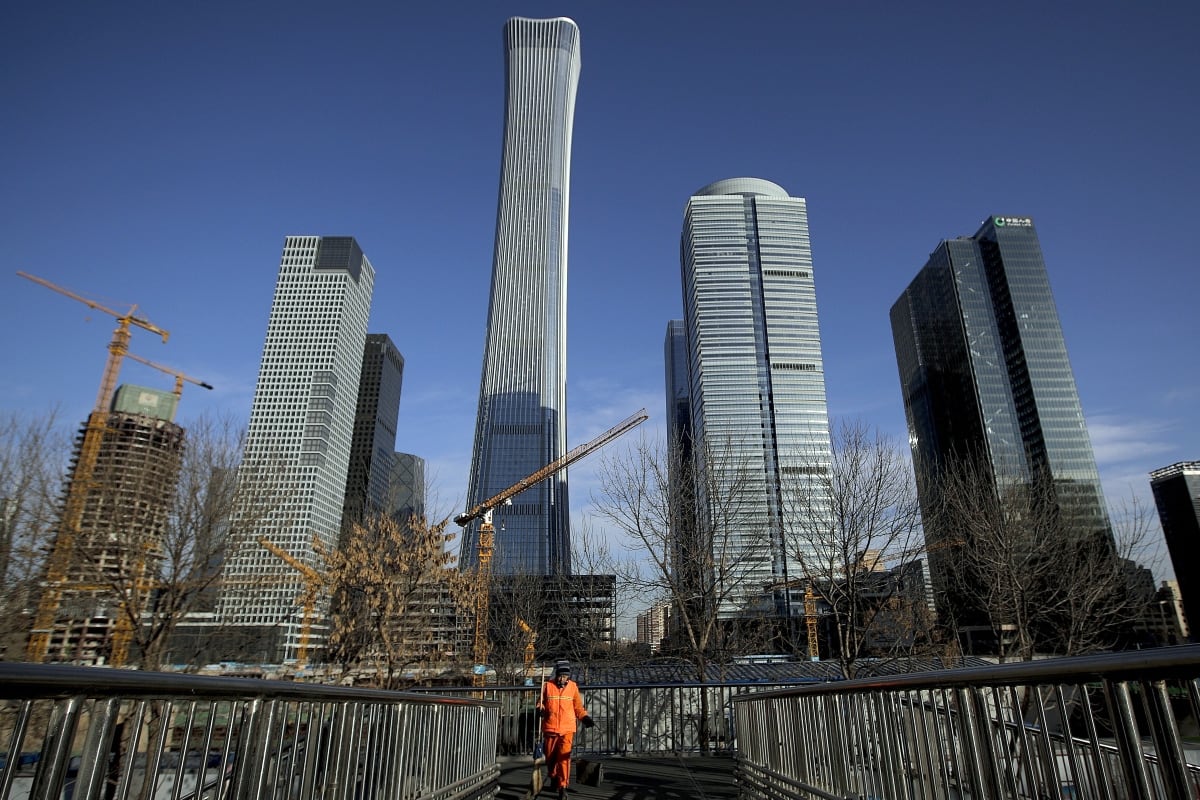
x=558, y=758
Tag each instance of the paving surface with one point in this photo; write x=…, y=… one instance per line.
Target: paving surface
x=664, y=778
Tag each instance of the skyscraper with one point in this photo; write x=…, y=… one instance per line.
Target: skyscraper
x=521, y=423
x=1177, y=495
x=118, y=544
x=689, y=573
x=368, y=481
x=406, y=496
x=985, y=376
x=757, y=376
x=297, y=449
x=678, y=385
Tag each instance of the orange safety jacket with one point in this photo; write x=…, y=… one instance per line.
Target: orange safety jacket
x=563, y=707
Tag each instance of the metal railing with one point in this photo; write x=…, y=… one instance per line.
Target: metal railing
x=79, y=733
x=1117, y=726
x=642, y=719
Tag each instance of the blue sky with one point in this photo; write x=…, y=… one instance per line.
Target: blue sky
x=158, y=153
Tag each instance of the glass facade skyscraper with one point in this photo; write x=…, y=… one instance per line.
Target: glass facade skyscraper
x=985, y=375
x=297, y=449
x=406, y=495
x=757, y=377
x=521, y=423
x=1177, y=496
x=372, y=448
x=679, y=388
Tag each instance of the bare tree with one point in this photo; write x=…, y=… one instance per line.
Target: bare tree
x=540, y=618
x=992, y=585
x=201, y=532
x=842, y=526
x=397, y=598
x=1100, y=602
x=689, y=523
x=1034, y=567
x=593, y=554
x=33, y=453
x=692, y=522
x=520, y=615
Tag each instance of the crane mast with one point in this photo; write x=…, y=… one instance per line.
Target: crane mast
x=486, y=542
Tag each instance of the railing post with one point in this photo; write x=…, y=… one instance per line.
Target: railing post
x=1167, y=744
x=19, y=728
x=97, y=749
x=894, y=753
x=1133, y=761
x=51, y=772
x=249, y=766
x=976, y=737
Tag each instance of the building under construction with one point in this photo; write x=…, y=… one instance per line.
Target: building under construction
x=109, y=568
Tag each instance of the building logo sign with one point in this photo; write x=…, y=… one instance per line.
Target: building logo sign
x=1013, y=222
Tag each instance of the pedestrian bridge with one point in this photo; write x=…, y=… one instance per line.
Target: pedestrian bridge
x=1108, y=726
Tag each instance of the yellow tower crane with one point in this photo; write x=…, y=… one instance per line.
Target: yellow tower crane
x=64, y=543
x=314, y=582
x=486, y=543
x=118, y=348
x=810, y=623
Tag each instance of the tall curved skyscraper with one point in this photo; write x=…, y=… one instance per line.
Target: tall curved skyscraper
x=521, y=423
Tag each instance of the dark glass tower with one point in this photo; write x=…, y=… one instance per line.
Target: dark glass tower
x=521, y=423
x=985, y=375
x=678, y=385
x=1177, y=495
x=406, y=495
x=374, y=440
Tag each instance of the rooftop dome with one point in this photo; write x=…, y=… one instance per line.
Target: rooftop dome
x=743, y=186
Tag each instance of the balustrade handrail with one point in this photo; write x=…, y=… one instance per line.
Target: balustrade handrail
x=1109, y=726
x=1179, y=661
x=92, y=733
x=20, y=680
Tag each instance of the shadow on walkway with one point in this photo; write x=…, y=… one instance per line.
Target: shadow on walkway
x=664, y=778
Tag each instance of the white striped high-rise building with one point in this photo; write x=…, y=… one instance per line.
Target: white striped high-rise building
x=521, y=424
x=293, y=475
x=760, y=428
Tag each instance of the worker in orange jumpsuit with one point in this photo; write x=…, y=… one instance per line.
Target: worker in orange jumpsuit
x=561, y=708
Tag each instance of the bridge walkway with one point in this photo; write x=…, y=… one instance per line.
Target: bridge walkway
x=633, y=778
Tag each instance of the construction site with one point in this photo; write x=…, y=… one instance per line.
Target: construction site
x=102, y=573
x=101, y=570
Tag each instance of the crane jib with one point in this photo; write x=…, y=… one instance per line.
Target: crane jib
x=554, y=466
